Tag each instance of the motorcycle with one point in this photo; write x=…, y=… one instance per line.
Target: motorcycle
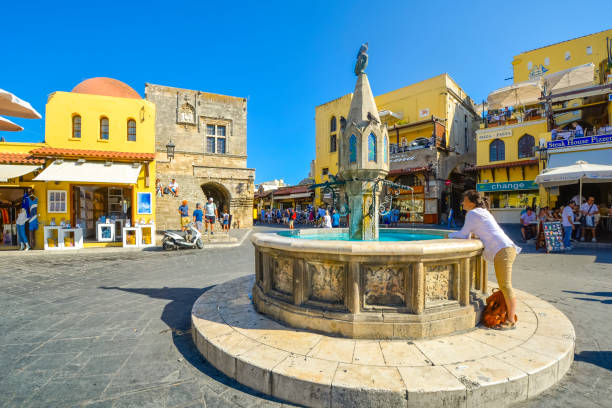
x=192, y=238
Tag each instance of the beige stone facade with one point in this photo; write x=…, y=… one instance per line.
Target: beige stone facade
x=210, y=135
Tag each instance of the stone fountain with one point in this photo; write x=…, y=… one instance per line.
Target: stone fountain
x=362, y=287
x=326, y=318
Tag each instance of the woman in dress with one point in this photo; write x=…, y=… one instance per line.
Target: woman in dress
x=498, y=248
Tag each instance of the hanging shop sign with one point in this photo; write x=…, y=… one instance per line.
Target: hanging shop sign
x=507, y=186
x=579, y=141
x=494, y=134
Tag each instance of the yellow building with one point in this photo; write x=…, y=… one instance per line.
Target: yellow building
x=558, y=111
x=589, y=49
x=96, y=164
x=431, y=128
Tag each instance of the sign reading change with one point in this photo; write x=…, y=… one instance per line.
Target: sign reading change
x=494, y=134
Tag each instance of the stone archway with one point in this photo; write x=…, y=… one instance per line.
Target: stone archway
x=219, y=193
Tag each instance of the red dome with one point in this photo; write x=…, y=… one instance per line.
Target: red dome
x=106, y=87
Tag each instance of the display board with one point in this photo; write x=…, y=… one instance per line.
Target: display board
x=553, y=234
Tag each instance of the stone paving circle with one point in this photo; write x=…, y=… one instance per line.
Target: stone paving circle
x=473, y=369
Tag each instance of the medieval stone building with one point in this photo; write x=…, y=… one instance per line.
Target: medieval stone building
x=210, y=135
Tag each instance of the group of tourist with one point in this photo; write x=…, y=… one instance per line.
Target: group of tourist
x=310, y=216
x=579, y=218
x=171, y=189
x=206, y=217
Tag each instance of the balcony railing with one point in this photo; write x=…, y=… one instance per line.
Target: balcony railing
x=503, y=118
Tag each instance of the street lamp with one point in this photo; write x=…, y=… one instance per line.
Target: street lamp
x=170, y=150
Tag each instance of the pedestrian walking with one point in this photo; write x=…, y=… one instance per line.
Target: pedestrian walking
x=22, y=218
x=327, y=222
x=198, y=216
x=226, y=220
x=183, y=211
x=498, y=247
x=210, y=215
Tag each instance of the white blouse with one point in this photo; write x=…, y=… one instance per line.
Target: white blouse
x=481, y=223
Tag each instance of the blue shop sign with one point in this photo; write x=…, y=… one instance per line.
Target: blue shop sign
x=579, y=141
x=507, y=186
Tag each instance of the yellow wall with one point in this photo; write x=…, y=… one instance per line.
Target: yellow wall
x=324, y=158
x=62, y=106
x=433, y=95
x=537, y=129
x=16, y=147
x=556, y=55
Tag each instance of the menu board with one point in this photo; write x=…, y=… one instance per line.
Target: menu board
x=553, y=234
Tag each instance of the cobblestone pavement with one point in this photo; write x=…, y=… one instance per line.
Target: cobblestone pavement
x=111, y=329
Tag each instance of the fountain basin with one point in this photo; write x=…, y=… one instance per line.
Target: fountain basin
x=428, y=287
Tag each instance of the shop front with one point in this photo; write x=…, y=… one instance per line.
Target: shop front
x=15, y=195
x=508, y=199
x=90, y=203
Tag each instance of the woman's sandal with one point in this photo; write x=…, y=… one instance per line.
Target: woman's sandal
x=506, y=326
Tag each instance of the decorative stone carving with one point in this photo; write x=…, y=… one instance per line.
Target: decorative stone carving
x=186, y=113
x=327, y=282
x=439, y=283
x=282, y=275
x=384, y=285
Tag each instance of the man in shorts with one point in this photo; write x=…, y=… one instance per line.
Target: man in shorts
x=210, y=214
x=198, y=216
x=183, y=211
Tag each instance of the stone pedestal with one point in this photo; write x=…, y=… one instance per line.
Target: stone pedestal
x=370, y=289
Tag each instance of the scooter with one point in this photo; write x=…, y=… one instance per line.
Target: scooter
x=192, y=238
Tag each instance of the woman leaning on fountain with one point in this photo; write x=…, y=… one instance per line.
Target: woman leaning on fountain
x=498, y=247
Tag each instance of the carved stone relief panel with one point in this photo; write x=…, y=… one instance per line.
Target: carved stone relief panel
x=186, y=113
x=440, y=281
x=327, y=281
x=282, y=275
x=384, y=285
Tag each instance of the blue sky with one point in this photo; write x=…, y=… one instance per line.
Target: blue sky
x=285, y=57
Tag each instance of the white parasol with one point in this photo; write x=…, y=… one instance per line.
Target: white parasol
x=10, y=105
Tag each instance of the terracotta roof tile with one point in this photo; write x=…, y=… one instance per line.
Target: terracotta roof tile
x=102, y=154
x=20, y=158
x=507, y=164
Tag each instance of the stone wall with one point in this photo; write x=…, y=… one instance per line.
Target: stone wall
x=182, y=116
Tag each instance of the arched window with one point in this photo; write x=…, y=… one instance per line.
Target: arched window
x=526, y=146
x=372, y=147
x=103, y=128
x=131, y=130
x=353, y=149
x=332, y=124
x=497, y=150
x=386, y=150
x=76, y=127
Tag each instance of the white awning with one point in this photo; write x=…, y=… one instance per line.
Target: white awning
x=581, y=171
x=569, y=79
x=522, y=93
x=90, y=172
x=9, y=171
x=300, y=195
x=9, y=126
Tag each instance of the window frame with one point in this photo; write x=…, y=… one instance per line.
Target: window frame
x=63, y=194
x=333, y=143
x=372, y=148
x=74, y=117
x=498, y=157
x=102, y=118
x=215, y=127
x=128, y=129
x=526, y=136
x=333, y=124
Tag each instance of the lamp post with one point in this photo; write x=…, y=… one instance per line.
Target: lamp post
x=170, y=150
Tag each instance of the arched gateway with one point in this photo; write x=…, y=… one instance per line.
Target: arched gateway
x=219, y=193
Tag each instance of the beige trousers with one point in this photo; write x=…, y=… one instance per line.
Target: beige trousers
x=503, y=270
